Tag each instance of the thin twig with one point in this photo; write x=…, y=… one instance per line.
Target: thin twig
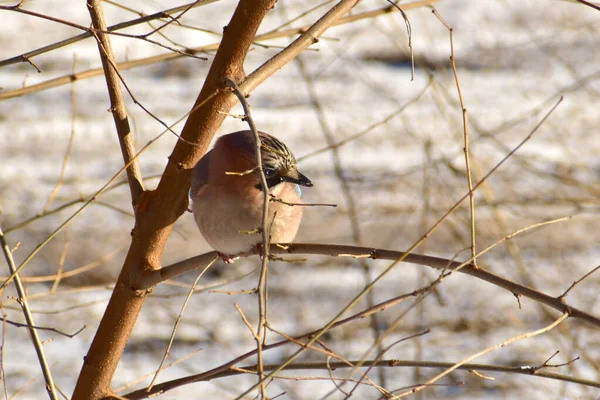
x=438, y=263
x=161, y=14
x=246, y=322
x=143, y=377
x=383, y=254
x=61, y=262
x=346, y=193
x=589, y=4
x=43, y=328
x=176, y=325
x=108, y=186
x=115, y=69
x=117, y=102
x=563, y=296
x=2, y=347
x=265, y=231
x=51, y=83
x=278, y=200
x=372, y=127
x=67, y=274
x=465, y=135
x=81, y=199
x=329, y=353
x=22, y=300
x=485, y=351
x=389, y=363
x=409, y=34
x=386, y=349
x=89, y=32
x=63, y=168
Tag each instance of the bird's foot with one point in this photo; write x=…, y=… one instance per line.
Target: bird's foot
x=227, y=259
x=258, y=249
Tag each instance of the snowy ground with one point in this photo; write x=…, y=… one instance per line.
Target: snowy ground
x=514, y=58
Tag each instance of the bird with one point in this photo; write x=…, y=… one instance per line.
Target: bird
x=227, y=195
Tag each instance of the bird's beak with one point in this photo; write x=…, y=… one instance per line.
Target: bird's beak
x=297, y=177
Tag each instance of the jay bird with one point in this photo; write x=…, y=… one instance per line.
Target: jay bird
x=228, y=208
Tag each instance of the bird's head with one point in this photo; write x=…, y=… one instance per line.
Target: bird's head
x=279, y=164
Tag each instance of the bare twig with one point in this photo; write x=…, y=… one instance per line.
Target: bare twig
x=22, y=300
x=211, y=47
x=209, y=374
x=67, y=274
x=43, y=328
x=26, y=57
x=589, y=4
x=370, y=128
x=409, y=34
x=247, y=323
x=2, y=347
x=91, y=199
x=485, y=351
x=387, y=363
x=80, y=199
x=563, y=296
x=141, y=378
x=403, y=256
x=65, y=223
x=176, y=325
x=331, y=354
x=69, y=145
x=117, y=102
x=278, y=200
x=465, y=135
x=346, y=191
x=546, y=364
x=265, y=231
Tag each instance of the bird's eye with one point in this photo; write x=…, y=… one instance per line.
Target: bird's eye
x=269, y=172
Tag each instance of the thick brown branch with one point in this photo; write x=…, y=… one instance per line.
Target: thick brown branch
x=157, y=211
x=154, y=277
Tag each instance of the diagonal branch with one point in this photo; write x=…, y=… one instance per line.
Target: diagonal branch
x=26, y=57
x=117, y=102
x=483, y=352
x=66, y=79
x=22, y=300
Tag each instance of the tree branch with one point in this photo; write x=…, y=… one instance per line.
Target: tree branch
x=117, y=102
x=168, y=272
x=26, y=57
x=63, y=80
x=157, y=211
x=390, y=363
x=22, y=300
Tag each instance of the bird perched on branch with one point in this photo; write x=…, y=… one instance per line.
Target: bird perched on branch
x=228, y=197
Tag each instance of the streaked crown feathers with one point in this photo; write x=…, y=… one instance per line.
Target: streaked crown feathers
x=275, y=153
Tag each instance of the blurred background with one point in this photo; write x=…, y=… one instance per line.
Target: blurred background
x=396, y=168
